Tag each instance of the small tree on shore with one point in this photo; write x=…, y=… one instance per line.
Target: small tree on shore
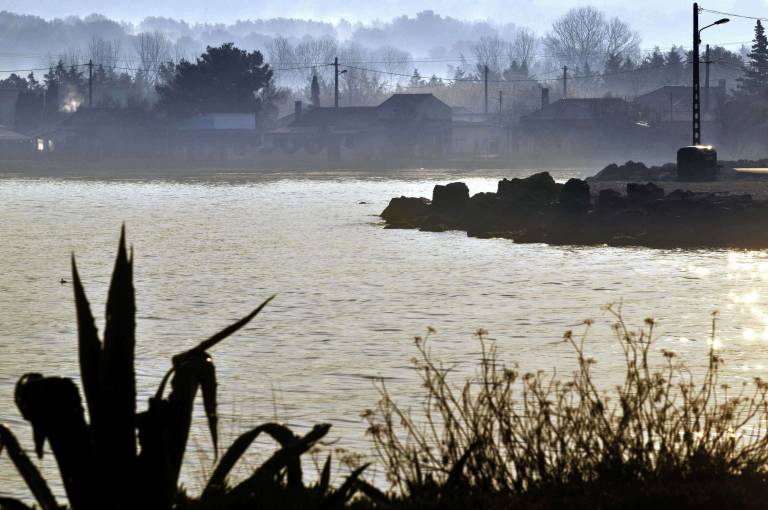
x=755, y=79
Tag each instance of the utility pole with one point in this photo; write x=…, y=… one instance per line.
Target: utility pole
x=501, y=102
x=485, y=79
x=565, y=82
x=706, y=80
x=90, y=83
x=696, y=86
x=336, y=82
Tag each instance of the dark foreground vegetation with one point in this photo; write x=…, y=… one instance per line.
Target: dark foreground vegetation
x=539, y=210
x=663, y=438
x=100, y=461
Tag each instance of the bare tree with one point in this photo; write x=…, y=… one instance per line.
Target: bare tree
x=490, y=51
x=315, y=55
x=621, y=41
x=282, y=56
x=522, y=48
x=104, y=53
x=393, y=60
x=578, y=38
x=153, y=49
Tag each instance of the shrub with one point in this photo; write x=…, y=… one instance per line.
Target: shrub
x=659, y=438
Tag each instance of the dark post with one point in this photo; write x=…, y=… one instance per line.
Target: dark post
x=706, y=80
x=485, y=79
x=90, y=83
x=696, y=80
x=565, y=82
x=501, y=102
x=336, y=82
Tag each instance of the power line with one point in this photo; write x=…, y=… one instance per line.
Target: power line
x=722, y=13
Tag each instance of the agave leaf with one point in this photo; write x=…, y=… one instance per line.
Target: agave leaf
x=89, y=346
x=208, y=386
x=325, y=477
x=346, y=491
x=12, y=504
x=259, y=482
x=281, y=434
x=115, y=433
x=224, y=333
x=52, y=405
x=28, y=472
x=372, y=492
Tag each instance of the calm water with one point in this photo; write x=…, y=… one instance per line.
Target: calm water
x=351, y=295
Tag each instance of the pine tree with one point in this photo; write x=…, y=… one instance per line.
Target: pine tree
x=755, y=79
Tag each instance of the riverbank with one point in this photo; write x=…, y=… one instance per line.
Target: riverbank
x=536, y=209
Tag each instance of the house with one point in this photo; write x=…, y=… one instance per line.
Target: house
x=15, y=145
x=674, y=103
x=478, y=135
x=668, y=112
x=578, y=128
x=216, y=136
x=407, y=126
x=8, y=99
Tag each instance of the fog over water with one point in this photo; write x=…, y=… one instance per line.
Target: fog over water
x=350, y=294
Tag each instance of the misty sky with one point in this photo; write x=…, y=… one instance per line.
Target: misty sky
x=659, y=21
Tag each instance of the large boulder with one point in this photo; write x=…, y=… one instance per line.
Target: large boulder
x=537, y=189
x=405, y=210
x=636, y=171
x=643, y=193
x=610, y=201
x=575, y=196
x=451, y=198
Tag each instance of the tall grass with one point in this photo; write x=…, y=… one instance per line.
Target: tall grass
x=505, y=436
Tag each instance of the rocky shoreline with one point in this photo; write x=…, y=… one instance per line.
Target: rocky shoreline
x=537, y=209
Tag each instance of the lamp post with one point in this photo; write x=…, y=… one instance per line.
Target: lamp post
x=696, y=63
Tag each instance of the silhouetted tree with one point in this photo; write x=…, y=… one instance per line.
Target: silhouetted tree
x=755, y=79
x=223, y=79
x=315, y=91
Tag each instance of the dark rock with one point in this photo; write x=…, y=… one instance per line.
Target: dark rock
x=610, y=201
x=451, y=198
x=642, y=193
x=404, y=210
x=538, y=189
x=575, y=196
x=636, y=171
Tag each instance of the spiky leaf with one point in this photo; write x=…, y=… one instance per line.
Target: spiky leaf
x=114, y=428
x=89, y=346
x=27, y=470
x=325, y=477
x=280, y=433
x=52, y=405
x=208, y=387
x=224, y=333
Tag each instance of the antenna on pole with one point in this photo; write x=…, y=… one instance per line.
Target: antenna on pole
x=485, y=79
x=336, y=82
x=565, y=82
x=90, y=83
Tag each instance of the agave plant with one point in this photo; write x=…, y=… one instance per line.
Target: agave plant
x=118, y=458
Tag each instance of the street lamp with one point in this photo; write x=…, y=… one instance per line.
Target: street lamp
x=696, y=63
x=699, y=162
